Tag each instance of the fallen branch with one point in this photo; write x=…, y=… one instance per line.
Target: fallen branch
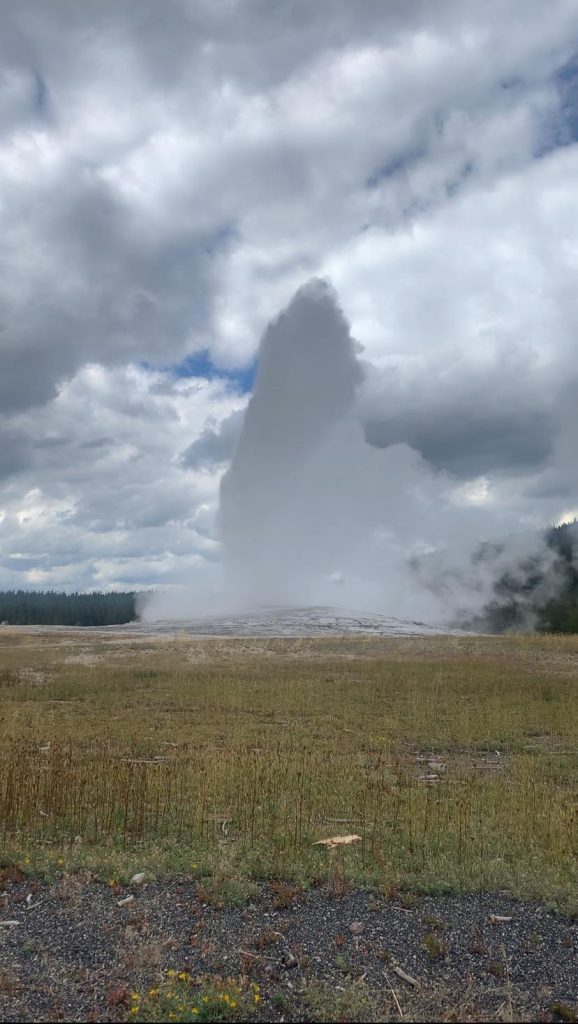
x=406, y=977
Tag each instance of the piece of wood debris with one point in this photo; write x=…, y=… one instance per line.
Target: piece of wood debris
x=338, y=841
x=499, y=918
x=406, y=977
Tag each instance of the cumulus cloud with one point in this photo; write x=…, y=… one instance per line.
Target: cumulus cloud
x=216, y=443
x=88, y=509
x=171, y=175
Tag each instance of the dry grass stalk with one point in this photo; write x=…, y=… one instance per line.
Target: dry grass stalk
x=283, y=735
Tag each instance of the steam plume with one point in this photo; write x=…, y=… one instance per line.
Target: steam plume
x=311, y=513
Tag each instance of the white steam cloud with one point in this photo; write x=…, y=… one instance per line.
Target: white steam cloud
x=311, y=513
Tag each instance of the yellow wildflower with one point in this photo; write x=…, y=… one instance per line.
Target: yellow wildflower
x=183, y=976
x=135, y=997
x=171, y=974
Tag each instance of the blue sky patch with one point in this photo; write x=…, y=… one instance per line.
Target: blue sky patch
x=563, y=130
x=200, y=364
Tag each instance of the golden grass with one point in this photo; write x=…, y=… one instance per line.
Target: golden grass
x=238, y=755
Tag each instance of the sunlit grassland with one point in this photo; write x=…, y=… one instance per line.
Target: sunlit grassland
x=235, y=756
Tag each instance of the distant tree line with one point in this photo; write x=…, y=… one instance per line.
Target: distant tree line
x=534, y=598
x=52, y=608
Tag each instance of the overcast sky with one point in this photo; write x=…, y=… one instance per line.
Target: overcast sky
x=172, y=173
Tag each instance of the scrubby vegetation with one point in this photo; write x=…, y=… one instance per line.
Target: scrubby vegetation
x=53, y=608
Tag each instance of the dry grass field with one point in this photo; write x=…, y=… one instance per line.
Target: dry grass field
x=210, y=767
x=454, y=758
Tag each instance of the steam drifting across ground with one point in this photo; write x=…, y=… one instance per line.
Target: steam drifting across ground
x=312, y=513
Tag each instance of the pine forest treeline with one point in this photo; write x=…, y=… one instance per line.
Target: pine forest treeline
x=53, y=608
x=533, y=600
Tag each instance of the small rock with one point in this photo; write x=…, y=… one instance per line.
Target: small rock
x=289, y=961
x=139, y=878
x=127, y=899
x=499, y=918
x=356, y=927
x=9, y=924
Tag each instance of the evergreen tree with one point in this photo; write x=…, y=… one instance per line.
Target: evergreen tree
x=53, y=608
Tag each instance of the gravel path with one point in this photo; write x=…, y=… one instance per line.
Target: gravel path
x=74, y=947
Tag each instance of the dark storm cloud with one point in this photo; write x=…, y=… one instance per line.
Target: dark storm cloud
x=103, y=289
x=15, y=453
x=470, y=440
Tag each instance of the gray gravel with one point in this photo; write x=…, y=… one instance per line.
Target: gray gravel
x=74, y=947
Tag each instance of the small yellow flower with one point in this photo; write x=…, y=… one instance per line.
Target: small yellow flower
x=27, y=860
x=135, y=997
x=256, y=998
x=171, y=974
x=134, y=1009
x=194, y=1009
x=60, y=860
x=153, y=992
x=183, y=976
